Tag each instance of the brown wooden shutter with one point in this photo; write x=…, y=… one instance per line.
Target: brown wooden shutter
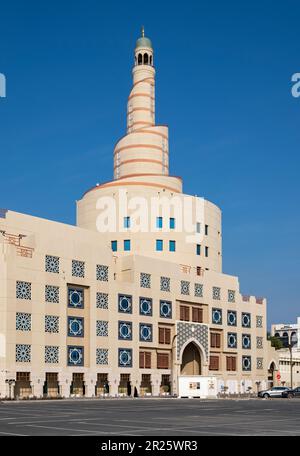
x=218, y=340
x=212, y=340
x=161, y=335
x=233, y=363
x=214, y=363
x=142, y=358
x=167, y=335
x=181, y=313
x=197, y=315
x=187, y=314
x=162, y=361
x=148, y=360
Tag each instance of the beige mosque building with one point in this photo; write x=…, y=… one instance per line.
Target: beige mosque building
x=131, y=300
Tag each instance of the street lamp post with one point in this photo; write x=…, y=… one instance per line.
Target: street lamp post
x=290, y=346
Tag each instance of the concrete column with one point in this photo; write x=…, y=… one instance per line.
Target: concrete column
x=64, y=381
x=37, y=384
x=155, y=381
x=90, y=381
x=135, y=383
x=113, y=381
x=4, y=390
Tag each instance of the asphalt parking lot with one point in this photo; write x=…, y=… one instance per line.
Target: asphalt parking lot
x=151, y=417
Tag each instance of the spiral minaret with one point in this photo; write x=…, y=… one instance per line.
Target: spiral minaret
x=142, y=155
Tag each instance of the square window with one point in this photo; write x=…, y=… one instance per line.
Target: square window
x=126, y=245
x=185, y=287
x=259, y=321
x=52, y=294
x=259, y=363
x=114, y=246
x=231, y=318
x=51, y=324
x=102, y=272
x=23, y=321
x=125, y=357
x=159, y=245
x=23, y=290
x=52, y=264
x=125, y=330
x=259, y=342
x=102, y=328
x=159, y=222
x=51, y=354
x=198, y=290
x=125, y=303
x=246, y=341
x=102, y=356
x=75, y=356
x=78, y=268
x=246, y=320
x=75, y=327
x=217, y=316
x=232, y=340
x=246, y=363
x=165, y=309
x=165, y=284
x=216, y=293
x=76, y=297
x=145, y=332
x=101, y=300
x=231, y=296
x=23, y=353
x=145, y=280
x=126, y=222
x=145, y=306
x=172, y=223
x=172, y=246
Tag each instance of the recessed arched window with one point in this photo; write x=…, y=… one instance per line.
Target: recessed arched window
x=140, y=59
x=146, y=59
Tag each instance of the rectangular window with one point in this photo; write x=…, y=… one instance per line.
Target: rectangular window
x=215, y=340
x=159, y=222
x=172, y=246
x=126, y=222
x=162, y=360
x=206, y=251
x=214, y=363
x=197, y=315
x=145, y=360
x=164, y=335
x=231, y=363
x=159, y=245
x=114, y=246
x=172, y=223
x=198, y=249
x=206, y=230
x=127, y=245
x=198, y=227
x=184, y=313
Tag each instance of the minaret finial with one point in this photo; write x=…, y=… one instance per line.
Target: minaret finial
x=143, y=31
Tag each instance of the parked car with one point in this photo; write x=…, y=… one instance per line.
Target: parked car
x=275, y=391
x=292, y=392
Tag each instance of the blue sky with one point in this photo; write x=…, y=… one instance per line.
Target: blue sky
x=223, y=86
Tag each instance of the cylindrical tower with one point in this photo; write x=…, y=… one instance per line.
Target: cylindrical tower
x=144, y=151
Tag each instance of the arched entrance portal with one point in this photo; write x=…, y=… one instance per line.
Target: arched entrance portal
x=191, y=360
x=271, y=374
